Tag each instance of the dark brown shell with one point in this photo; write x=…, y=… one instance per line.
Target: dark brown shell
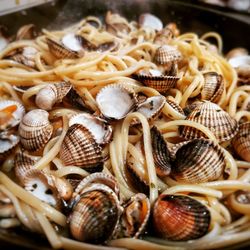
x=167, y=54
x=213, y=87
x=214, y=118
x=174, y=108
x=191, y=107
x=164, y=36
x=160, y=153
x=198, y=161
x=79, y=148
x=241, y=141
x=180, y=218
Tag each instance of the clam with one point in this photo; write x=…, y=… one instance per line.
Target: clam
x=148, y=20
x=167, y=54
x=26, y=32
x=180, y=218
x=190, y=107
x=100, y=129
x=51, y=94
x=198, y=161
x=116, y=101
x=156, y=80
x=214, y=118
x=135, y=216
x=11, y=113
x=241, y=141
x=213, y=87
x=174, y=109
x=152, y=107
x=164, y=36
x=242, y=197
x=79, y=148
x=35, y=129
x=160, y=153
x=95, y=216
x=236, y=52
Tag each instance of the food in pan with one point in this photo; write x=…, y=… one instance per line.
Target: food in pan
x=124, y=134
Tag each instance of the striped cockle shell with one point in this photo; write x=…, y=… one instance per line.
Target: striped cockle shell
x=99, y=128
x=95, y=216
x=156, y=80
x=191, y=107
x=180, y=218
x=167, y=54
x=173, y=109
x=198, y=161
x=147, y=20
x=35, y=129
x=241, y=141
x=116, y=101
x=161, y=153
x=79, y=148
x=11, y=113
x=214, y=118
x=51, y=94
x=213, y=87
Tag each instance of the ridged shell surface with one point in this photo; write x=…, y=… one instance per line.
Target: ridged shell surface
x=167, y=54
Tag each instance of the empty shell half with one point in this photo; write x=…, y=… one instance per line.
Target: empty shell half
x=148, y=20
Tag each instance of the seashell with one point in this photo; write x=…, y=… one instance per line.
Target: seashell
x=189, y=108
x=242, y=197
x=156, y=80
x=180, y=218
x=95, y=216
x=7, y=211
x=51, y=94
x=99, y=128
x=135, y=216
x=198, y=161
x=35, y=129
x=11, y=113
x=26, y=32
x=152, y=107
x=23, y=164
x=167, y=54
x=161, y=153
x=148, y=20
x=8, y=142
x=116, y=101
x=108, y=46
x=239, y=61
x=79, y=148
x=164, y=36
x=73, y=42
x=60, y=51
x=241, y=141
x=236, y=52
x=173, y=148
x=174, y=108
x=213, y=87
x=174, y=28
x=214, y=118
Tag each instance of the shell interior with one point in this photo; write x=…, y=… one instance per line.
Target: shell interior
x=72, y=42
x=147, y=20
x=7, y=143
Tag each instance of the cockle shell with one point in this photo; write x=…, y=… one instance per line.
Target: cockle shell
x=148, y=20
x=26, y=32
x=11, y=113
x=79, y=148
x=179, y=218
x=198, y=161
x=214, y=118
x=236, y=52
x=167, y=54
x=241, y=141
x=160, y=153
x=164, y=36
x=174, y=108
x=35, y=129
x=51, y=94
x=213, y=87
x=95, y=216
x=156, y=80
x=116, y=101
x=99, y=128
x=191, y=107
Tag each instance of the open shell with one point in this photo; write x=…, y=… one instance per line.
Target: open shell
x=167, y=54
x=11, y=113
x=161, y=153
x=198, y=161
x=116, y=101
x=79, y=148
x=214, y=118
x=174, y=109
x=148, y=20
x=213, y=87
x=164, y=36
x=35, y=129
x=26, y=32
x=241, y=141
x=100, y=129
x=179, y=218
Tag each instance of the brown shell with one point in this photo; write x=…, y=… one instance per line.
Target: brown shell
x=161, y=83
x=164, y=36
x=174, y=108
x=191, y=107
x=214, y=118
x=198, y=161
x=213, y=87
x=180, y=218
x=26, y=32
x=95, y=215
x=79, y=148
x=160, y=153
x=241, y=141
x=167, y=54
x=35, y=129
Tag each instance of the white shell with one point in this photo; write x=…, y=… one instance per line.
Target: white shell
x=72, y=42
x=239, y=61
x=148, y=20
